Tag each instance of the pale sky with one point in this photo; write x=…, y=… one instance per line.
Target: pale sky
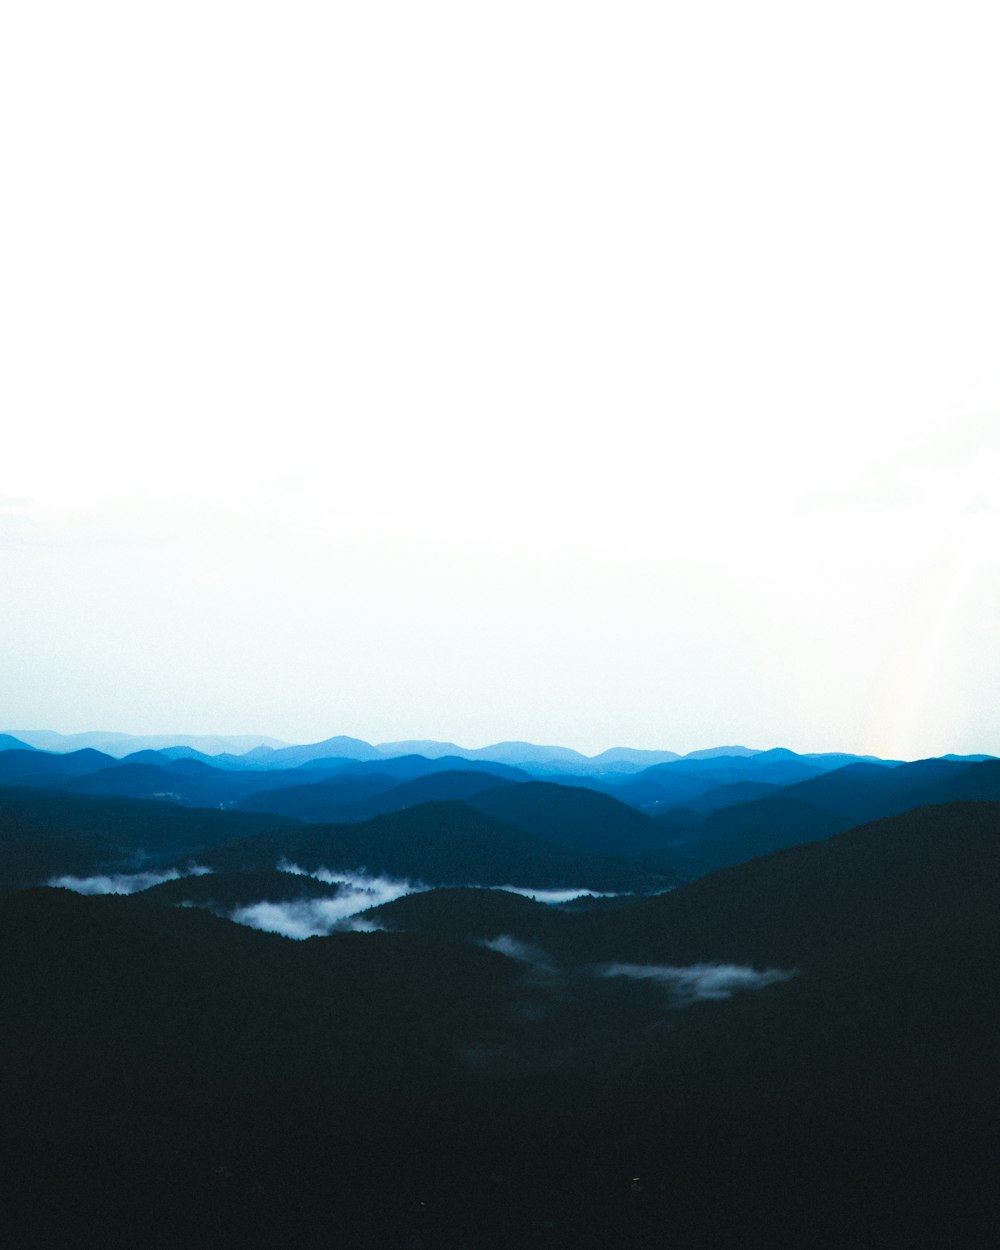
x=602, y=374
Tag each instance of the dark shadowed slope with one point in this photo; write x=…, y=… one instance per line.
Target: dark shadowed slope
x=140, y=781
x=156, y=1062
x=732, y=835
x=342, y=787
x=868, y=792
x=445, y=843
x=476, y=915
x=437, y=787
x=409, y=767
x=43, y=833
x=817, y=808
x=675, y=784
x=933, y=868
x=222, y=892
x=32, y=767
x=360, y=796
x=212, y=1086
x=731, y=795
x=570, y=816
x=319, y=801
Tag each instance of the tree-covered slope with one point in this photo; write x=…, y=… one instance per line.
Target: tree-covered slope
x=45, y=833
x=196, y=1083
x=446, y=843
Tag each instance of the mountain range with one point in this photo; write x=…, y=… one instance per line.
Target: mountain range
x=249, y=751
x=770, y=1020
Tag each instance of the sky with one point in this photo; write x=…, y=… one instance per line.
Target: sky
x=601, y=374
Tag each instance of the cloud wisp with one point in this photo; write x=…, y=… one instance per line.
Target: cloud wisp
x=317, y=917
x=356, y=893
x=124, y=882
x=698, y=982
x=552, y=897
x=514, y=948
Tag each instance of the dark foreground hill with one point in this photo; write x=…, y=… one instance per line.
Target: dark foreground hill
x=170, y=1079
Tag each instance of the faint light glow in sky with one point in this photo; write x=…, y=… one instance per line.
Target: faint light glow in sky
x=583, y=373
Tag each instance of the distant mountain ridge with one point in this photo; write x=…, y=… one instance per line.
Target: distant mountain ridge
x=10, y=743
x=119, y=744
x=679, y=816
x=264, y=753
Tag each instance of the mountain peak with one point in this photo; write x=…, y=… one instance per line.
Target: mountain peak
x=9, y=743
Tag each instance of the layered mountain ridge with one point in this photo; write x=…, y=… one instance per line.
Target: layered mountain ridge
x=741, y=998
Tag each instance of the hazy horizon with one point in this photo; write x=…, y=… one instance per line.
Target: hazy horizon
x=578, y=375
x=182, y=737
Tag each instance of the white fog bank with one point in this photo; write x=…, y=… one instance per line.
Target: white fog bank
x=317, y=917
x=123, y=882
x=358, y=893
x=552, y=896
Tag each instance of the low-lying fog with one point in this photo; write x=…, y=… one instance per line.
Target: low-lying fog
x=699, y=981
x=683, y=984
x=551, y=896
x=303, y=918
x=353, y=894
x=317, y=917
x=124, y=882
